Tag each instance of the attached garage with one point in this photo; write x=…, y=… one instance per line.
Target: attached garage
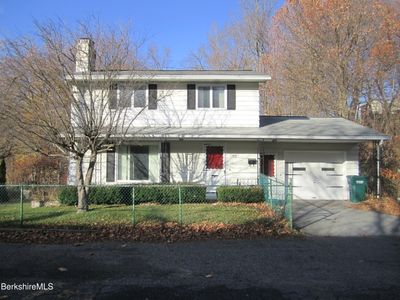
x=317, y=174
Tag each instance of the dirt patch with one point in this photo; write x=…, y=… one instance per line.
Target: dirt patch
x=147, y=232
x=385, y=205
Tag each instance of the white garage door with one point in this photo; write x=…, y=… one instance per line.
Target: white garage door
x=317, y=175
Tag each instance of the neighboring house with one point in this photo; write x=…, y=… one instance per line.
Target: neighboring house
x=377, y=108
x=208, y=130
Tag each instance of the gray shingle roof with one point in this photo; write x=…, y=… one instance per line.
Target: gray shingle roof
x=271, y=128
x=189, y=72
x=304, y=127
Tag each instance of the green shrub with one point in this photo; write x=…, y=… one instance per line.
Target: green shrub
x=193, y=194
x=3, y=194
x=246, y=194
x=97, y=195
x=112, y=194
x=169, y=194
x=68, y=195
x=163, y=194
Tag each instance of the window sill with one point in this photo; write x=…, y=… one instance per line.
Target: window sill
x=212, y=108
x=133, y=181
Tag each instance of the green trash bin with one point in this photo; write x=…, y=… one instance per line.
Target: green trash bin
x=358, y=187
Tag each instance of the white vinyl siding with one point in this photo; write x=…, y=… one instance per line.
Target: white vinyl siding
x=188, y=163
x=172, y=109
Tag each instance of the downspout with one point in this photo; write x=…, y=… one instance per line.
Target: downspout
x=378, y=166
x=258, y=161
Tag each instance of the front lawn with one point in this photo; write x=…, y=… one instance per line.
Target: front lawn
x=101, y=215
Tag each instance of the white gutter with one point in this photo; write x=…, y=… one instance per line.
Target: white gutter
x=256, y=137
x=173, y=78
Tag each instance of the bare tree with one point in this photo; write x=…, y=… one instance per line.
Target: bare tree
x=5, y=151
x=6, y=140
x=70, y=96
x=240, y=44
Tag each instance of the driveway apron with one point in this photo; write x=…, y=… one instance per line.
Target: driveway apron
x=335, y=218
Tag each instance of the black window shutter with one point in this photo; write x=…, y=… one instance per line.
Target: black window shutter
x=110, y=166
x=191, y=96
x=165, y=162
x=140, y=157
x=112, y=96
x=152, y=96
x=231, y=96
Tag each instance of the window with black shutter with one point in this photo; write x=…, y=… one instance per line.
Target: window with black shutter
x=191, y=96
x=110, y=166
x=152, y=96
x=140, y=97
x=231, y=105
x=211, y=96
x=113, y=96
x=139, y=163
x=120, y=95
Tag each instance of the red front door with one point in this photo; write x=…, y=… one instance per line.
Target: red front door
x=215, y=174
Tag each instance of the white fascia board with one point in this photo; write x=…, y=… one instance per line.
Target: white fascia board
x=260, y=138
x=279, y=139
x=172, y=78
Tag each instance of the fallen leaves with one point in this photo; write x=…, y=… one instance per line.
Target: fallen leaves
x=385, y=205
x=149, y=232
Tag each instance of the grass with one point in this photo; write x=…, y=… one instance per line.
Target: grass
x=100, y=215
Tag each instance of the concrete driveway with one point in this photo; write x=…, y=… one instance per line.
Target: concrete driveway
x=333, y=218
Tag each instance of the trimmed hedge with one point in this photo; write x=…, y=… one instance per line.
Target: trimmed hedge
x=169, y=194
x=245, y=194
x=97, y=195
x=110, y=195
x=114, y=194
x=68, y=195
x=3, y=194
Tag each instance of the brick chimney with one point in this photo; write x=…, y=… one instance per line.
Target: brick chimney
x=85, y=55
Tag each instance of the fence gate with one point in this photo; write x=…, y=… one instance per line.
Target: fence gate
x=278, y=195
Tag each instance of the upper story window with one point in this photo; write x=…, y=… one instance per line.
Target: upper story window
x=121, y=95
x=140, y=97
x=211, y=96
x=125, y=96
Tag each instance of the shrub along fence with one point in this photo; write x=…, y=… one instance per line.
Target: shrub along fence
x=54, y=205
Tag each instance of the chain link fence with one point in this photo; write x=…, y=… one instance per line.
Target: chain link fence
x=55, y=205
x=279, y=196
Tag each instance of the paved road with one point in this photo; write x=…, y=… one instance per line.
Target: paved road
x=334, y=218
x=310, y=268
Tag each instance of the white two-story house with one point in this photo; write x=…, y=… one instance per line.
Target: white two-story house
x=208, y=130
